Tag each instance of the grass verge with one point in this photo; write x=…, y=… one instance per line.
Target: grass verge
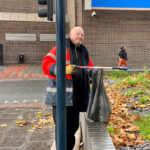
x=144, y=126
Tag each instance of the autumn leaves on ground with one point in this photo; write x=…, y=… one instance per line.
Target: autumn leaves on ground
x=122, y=126
x=39, y=122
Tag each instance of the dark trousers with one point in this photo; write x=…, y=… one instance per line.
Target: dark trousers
x=72, y=125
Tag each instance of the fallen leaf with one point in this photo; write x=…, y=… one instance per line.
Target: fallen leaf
x=149, y=136
x=138, y=118
x=131, y=143
x=131, y=136
x=132, y=129
x=142, y=106
x=122, y=134
x=48, y=114
x=3, y=125
x=21, y=123
x=33, y=127
x=39, y=115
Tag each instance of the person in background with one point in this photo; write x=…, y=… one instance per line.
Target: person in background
x=122, y=57
x=77, y=81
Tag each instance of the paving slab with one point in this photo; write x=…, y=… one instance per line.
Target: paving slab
x=38, y=146
x=15, y=136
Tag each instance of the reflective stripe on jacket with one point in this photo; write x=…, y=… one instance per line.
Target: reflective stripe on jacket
x=51, y=92
x=49, y=63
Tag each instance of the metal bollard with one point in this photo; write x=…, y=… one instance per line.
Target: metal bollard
x=21, y=58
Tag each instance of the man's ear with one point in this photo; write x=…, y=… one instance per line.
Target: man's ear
x=69, y=35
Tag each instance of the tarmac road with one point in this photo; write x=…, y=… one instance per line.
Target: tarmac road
x=22, y=90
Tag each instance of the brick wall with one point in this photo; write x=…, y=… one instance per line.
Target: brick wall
x=109, y=30
x=34, y=51
x=104, y=34
x=21, y=6
x=18, y=6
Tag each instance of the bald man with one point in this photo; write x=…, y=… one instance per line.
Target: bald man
x=77, y=81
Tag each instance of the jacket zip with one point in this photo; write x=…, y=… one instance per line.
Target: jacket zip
x=76, y=52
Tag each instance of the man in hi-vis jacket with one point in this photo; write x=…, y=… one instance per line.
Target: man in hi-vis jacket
x=77, y=81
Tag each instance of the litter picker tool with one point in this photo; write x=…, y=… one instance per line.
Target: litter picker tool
x=98, y=67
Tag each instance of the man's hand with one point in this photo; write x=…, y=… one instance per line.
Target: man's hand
x=71, y=69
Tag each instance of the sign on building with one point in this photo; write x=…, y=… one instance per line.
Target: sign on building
x=118, y=4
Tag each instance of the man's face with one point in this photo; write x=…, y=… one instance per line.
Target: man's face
x=77, y=36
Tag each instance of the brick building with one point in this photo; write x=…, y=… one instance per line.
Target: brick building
x=23, y=31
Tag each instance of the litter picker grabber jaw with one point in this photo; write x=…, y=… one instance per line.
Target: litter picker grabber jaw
x=121, y=68
x=107, y=68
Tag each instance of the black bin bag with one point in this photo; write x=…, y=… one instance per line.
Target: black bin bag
x=99, y=109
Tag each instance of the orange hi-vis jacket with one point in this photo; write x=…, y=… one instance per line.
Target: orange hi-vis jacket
x=49, y=68
x=50, y=61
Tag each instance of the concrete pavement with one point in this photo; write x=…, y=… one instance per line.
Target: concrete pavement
x=24, y=125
